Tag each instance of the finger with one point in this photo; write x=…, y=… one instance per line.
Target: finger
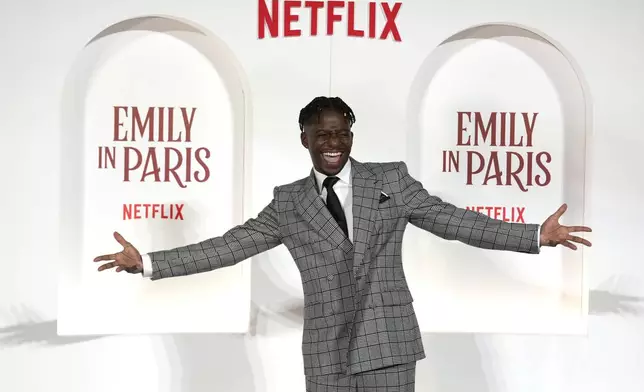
x=579, y=240
x=579, y=228
x=560, y=211
x=569, y=245
x=106, y=257
x=119, y=238
x=119, y=269
x=107, y=266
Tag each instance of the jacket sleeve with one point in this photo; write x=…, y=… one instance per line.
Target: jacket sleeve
x=449, y=222
x=254, y=236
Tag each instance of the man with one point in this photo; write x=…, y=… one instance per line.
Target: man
x=344, y=225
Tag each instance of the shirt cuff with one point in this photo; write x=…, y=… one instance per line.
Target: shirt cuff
x=147, y=265
x=539, y=237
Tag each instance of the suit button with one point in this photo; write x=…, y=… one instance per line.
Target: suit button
x=330, y=277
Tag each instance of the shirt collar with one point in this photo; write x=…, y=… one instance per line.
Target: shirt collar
x=344, y=175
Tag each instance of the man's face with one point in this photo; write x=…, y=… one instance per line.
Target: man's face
x=329, y=142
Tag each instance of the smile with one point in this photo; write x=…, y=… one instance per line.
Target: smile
x=332, y=157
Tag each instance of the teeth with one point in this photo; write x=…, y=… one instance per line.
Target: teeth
x=332, y=154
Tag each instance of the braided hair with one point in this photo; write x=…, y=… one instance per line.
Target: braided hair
x=310, y=114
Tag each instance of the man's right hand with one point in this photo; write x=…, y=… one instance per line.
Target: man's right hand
x=127, y=260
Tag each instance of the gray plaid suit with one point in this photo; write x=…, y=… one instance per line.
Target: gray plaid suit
x=358, y=313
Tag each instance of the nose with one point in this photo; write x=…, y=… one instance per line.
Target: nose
x=334, y=139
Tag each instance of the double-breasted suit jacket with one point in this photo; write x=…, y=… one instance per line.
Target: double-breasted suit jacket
x=358, y=312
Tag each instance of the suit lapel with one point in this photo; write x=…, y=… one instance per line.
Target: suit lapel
x=314, y=211
x=366, y=196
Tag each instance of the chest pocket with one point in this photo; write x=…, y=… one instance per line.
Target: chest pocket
x=386, y=217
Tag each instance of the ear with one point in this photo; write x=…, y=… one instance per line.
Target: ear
x=304, y=139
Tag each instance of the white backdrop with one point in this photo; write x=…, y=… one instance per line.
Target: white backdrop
x=374, y=77
x=162, y=123
x=524, y=92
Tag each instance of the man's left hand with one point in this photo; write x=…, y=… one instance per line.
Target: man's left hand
x=553, y=234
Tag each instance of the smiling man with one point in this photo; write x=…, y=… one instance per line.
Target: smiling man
x=343, y=225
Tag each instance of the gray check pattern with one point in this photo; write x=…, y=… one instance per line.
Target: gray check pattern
x=358, y=313
x=399, y=378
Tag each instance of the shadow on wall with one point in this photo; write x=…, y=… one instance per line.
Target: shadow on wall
x=604, y=300
x=190, y=362
x=196, y=362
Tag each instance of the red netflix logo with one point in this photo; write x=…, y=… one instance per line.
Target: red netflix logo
x=153, y=211
x=507, y=214
x=336, y=11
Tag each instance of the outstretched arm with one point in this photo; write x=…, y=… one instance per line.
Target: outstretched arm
x=255, y=236
x=447, y=221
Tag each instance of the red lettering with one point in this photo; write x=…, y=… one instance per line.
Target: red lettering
x=513, y=172
x=169, y=152
x=289, y=18
x=462, y=129
x=171, y=125
x=529, y=127
x=128, y=166
x=153, y=211
x=151, y=166
x=200, y=156
x=471, y=171
x=483, y=132
x=390, y=25
x=352, y=31
x=493, y=169
x=267, y=19
x=497, y=129
x=372, y=20
x=187, y=122
x=155, y=126
x=331, y=16
x=142, y=126
x=507, y=214
x=540, y=158
x=166, y=164
x=118, y=124
x=315, y=6
x=518, y=169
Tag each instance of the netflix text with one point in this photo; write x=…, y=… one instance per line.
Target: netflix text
x=168, y=154
x=283, y=16
x=507, y=214
x=153, y=211
x=524, y=169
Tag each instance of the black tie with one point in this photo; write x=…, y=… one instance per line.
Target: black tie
x=333, y=204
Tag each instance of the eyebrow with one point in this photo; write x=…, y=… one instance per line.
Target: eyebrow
x=336, y=129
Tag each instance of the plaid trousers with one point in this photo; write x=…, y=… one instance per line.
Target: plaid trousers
x=399, y=378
